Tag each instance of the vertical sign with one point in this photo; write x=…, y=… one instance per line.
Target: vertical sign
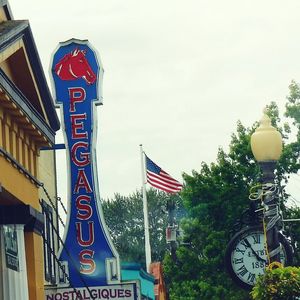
x=89, y=256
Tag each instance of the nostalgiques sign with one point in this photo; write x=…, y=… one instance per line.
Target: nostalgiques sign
x=89, y=258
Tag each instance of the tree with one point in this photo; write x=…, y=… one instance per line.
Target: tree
x=125, y=220
x=215, y=198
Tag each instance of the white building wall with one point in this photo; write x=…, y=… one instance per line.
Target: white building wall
x=13, y=284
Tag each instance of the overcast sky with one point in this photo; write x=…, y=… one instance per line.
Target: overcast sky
x=178, y=74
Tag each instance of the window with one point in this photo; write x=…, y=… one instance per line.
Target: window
x=49, y=249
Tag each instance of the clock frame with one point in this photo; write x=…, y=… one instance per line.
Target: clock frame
x=245, y=255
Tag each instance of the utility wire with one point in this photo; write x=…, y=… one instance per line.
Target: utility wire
x=52, y=204
x=61, y=204
x=58, y=261
x=69, y=255
x=60, y=239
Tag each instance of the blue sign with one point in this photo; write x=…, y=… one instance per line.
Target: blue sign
x=126, y=291
x=89, y=256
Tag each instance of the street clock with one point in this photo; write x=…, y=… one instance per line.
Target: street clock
x=245, y=256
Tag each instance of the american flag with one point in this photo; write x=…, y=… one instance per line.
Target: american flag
x=161, y=179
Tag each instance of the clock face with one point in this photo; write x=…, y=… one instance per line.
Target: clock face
x=246, y=256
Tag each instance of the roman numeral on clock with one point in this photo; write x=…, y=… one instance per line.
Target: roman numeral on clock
x=244, y=243
x=242, y=271
x=238, y=260
x=239, y=250
x=251, y=278
x=256, y=238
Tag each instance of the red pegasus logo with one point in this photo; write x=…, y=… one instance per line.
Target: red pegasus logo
x=74, y=65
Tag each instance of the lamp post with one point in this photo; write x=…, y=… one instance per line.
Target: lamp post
x=266, y=145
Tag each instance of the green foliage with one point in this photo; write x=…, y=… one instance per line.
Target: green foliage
x=292, y=229
x=290, y=161
x=215, y=197
x=278, y=284
x=125, y=220
x=293, y=105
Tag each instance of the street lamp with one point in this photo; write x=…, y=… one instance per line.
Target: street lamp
x=266, y=145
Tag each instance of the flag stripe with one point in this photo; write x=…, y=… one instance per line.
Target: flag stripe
x=169, y=182
x=161, y=179
x=167, y=177
x=174, y=188
x=164, y=188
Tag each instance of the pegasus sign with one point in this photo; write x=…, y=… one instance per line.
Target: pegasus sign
x=89, y=262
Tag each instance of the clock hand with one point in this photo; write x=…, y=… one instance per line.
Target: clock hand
x=256, y=255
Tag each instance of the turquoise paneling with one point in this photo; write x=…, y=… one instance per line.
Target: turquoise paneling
x=134, y=271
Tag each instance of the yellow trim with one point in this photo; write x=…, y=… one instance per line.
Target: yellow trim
x=2, y=15
x=6, y=124
x=26, y=152
x=35, y=84
x=19, y=138
x=14, y=130
x=9, y=51
x=20, y=146
x=35, y=261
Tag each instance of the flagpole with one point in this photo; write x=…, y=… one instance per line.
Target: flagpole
x=145, y=209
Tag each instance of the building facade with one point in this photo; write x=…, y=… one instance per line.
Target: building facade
x=28, y=123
